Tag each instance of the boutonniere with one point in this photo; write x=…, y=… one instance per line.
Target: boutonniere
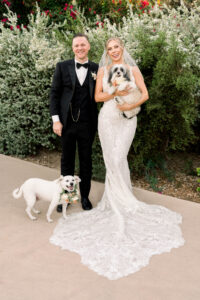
x=94, y=75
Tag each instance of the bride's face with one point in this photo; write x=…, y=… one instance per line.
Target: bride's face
x=114, y=51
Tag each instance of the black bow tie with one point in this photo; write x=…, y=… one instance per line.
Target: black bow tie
x=81, y=65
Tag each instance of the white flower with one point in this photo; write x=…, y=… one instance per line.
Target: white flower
x=94, y=75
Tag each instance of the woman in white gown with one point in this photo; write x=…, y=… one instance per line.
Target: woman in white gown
x=119, y=236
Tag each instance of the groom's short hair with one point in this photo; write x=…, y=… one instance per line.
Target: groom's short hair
x=81, y=35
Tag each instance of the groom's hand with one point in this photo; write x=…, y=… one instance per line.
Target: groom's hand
x=57, y=128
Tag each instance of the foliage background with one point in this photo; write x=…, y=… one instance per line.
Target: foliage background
x=165, y=43
x=112, y=9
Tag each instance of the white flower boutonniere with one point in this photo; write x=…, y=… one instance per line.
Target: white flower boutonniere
x=94, y=75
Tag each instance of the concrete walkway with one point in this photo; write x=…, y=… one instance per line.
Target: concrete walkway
x=32, y=269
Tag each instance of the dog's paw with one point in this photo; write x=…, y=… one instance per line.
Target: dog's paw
x=28, y=211
x=49, y=220
x=36, y=211
x=111, y=90
x=118, y=100
x=122, y=86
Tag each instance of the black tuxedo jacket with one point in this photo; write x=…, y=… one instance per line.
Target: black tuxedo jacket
x=62, y=90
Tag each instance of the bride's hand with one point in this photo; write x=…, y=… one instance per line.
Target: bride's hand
x=125, y=92
x=125, y=106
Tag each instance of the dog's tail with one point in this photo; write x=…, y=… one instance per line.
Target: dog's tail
x=17, y=193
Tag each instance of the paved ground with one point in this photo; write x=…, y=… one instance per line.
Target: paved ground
x=32, y=269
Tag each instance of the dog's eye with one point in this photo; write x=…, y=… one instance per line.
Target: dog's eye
x=115, y=70
x=67, y=180
x=121, y=69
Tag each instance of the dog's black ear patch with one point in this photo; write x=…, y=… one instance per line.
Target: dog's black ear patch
x=127, y=75
x=110, y=75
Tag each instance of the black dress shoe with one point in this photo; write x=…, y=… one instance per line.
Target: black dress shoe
x=86, y=204
x=59, y=207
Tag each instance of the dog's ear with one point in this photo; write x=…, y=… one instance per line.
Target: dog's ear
x=59, y=179
x=127, y=74
x=77, y=179
x=110, y=75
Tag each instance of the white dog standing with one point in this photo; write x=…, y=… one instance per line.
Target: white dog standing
x=119, y=78
x=52, y=191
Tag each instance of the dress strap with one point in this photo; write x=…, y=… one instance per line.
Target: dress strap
x=105, y=70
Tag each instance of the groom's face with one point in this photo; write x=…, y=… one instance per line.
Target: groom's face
x=80, y=47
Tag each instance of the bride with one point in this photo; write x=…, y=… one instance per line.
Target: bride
x=118, y=237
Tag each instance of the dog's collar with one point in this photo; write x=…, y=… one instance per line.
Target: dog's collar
x=71, y=196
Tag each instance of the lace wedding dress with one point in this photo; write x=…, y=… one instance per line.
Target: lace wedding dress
x=119, y=236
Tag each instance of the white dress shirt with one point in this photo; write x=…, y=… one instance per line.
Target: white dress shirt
x=81, y=74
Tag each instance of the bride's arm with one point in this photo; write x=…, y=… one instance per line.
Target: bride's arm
x=139, y=80
x=101, y=96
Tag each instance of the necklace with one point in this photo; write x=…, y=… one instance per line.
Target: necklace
x=72, y=114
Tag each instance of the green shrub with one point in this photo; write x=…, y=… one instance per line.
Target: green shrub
x=165, y=45
x=25, y=122
x=166, y=122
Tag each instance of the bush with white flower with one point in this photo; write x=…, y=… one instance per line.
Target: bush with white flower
x=27, y=59
x=165, y=44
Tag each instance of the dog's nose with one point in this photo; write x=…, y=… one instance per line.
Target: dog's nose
x=71, y=184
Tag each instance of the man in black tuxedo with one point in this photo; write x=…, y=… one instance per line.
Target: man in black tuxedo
x=74, y=113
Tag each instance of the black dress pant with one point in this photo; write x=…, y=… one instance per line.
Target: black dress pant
x=80, y=134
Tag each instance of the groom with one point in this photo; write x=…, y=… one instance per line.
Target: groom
x=74, y=113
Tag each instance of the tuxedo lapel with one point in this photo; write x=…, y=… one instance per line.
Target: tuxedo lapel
x=72, y=73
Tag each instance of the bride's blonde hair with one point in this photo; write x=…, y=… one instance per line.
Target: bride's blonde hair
x=117, y=39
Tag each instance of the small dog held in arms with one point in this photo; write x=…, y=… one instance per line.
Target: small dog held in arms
x=63, y=190
x=119, y=78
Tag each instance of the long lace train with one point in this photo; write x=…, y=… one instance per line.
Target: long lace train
x=96, y=236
